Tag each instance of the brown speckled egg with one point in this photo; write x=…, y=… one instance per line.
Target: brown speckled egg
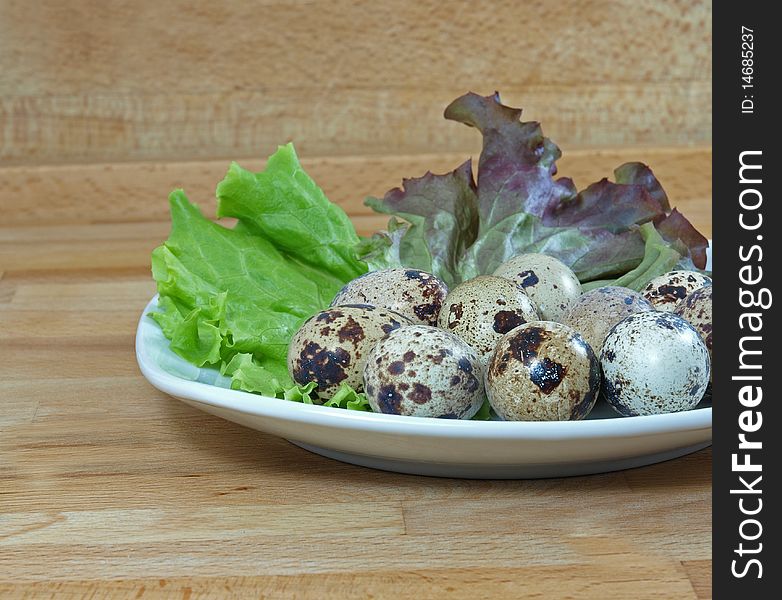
x=665, y=291
x=424, y=371
x=542, y=371
x=331, y=347
x=653, y=362
x=482, y=309
x=595, y=312
x=696, y=310
x=549, y=283
x=416, y=294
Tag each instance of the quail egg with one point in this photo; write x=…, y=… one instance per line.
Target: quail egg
x=595, y=312
x=542, y=371
x=653, y=362
x=424, y=371
x=416, y=294
x=331, y=347
x=696, y=310
x=665, y=291
x=482, y=309
x=549, y=283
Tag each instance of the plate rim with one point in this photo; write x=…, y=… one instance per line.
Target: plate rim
x=324, y=416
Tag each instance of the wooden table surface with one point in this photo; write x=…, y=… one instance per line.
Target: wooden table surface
x=109, y=488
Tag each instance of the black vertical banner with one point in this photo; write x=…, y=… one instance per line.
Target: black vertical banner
x=746, y=396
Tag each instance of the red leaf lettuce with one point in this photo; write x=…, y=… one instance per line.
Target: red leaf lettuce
x=458, y=228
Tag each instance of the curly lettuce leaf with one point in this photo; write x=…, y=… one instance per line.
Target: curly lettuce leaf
x=605, y=205
x=637, y=173
x=348, y=398
x=441, y=211
x=484, y=412
x=247, y=375
x=283, y=205
x=517, y=164
x=382, y=250
x=519, y=206
x=233, y=297
x=659, y=258
x=675, y=227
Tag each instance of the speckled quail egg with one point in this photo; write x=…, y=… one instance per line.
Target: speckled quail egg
x=595, y=312
x=542, y=371
x=331, y=347
x=696, y=310
x=665, y=291
x=424, y=371
x=482, y=309
x=416, y=294
x=549, y=283
x=653, y=362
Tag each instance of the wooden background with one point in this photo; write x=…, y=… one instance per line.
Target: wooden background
x=111, y=489
x=107, y=81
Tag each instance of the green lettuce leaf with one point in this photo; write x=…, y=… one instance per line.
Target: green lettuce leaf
x=484, y=412
x=348, y=398
x=247, y=375
x=382, y=250
x=233, y=297
x=283, y=205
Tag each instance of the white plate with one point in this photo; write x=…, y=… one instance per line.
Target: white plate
x=424, y=446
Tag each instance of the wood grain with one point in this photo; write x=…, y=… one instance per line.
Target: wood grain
x=111, y=489
x=123, y=193
x=114, y=81
x=570, y=581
